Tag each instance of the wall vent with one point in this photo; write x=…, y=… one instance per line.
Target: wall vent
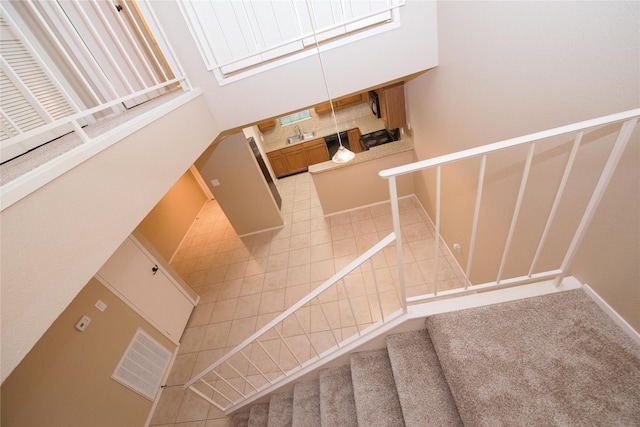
x=143, y=365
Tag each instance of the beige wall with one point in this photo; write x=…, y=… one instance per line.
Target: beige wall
x=243, y=193
x=512, y=68
x=65, y=380
x=168, y=222
x=56, y=239
x=359, y=184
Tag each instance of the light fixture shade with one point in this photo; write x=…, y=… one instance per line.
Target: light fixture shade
x=343, y=155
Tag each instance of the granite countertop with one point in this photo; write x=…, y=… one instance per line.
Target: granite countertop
x=373, y=153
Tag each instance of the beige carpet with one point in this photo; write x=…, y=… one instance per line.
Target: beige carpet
x=14, y=168
x=554, y=360
x=550, y=360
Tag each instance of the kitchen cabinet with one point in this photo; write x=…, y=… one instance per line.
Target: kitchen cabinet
x=315, y=151
x=294, y=159
x=323, y=108
x=392, y=109
x=352, y=100
x=278, y=165
x=354, y=140
x=267, y=125
x=297, y=158
x=343, y=102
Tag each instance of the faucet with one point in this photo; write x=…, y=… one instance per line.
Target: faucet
x=297, y=130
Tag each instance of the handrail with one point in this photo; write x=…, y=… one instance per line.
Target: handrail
x=291, y=310
x=629, y=120
x=303, y=367
x=507, y=143
x=100, y=93
x=74, y=118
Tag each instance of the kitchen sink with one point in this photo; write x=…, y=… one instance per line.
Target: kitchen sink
x=300, y=137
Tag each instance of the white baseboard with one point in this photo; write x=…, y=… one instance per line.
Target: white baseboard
x=165, y=377
x=346, y=211
x=626, y=327
x=492, y=297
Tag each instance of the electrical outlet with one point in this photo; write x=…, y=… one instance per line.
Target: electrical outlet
x=101, y=306
x=83, y=323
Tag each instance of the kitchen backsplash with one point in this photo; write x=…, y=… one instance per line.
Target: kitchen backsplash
x=359, y=116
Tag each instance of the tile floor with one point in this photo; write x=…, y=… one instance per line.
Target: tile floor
x=245, y=282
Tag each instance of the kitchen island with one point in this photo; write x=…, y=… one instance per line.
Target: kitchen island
x=345, y=186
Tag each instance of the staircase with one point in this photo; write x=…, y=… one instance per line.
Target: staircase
x=556, y=359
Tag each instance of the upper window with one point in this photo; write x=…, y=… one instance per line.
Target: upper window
x=295, y=117
x=237, y=38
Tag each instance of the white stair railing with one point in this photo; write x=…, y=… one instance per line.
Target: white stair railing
x=627, y=121
x=290, y=346
x=300, y=339
x=112, y=66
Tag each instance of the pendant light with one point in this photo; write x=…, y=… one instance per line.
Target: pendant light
x=343, y=155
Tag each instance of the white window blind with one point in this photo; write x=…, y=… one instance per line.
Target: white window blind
x=234, y=36
x=28, y=96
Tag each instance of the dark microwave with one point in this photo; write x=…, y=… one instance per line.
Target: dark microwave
x=374, y=103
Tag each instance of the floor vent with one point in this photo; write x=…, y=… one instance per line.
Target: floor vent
x=143, y=365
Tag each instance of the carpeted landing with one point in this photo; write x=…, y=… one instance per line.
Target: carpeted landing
x=550, y=360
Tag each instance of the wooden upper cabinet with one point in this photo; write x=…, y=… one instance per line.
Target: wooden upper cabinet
x=351, y=100
x=392, y=106
x=267, y=125
x=323, y=108
x=343, y=102
x=315, y=151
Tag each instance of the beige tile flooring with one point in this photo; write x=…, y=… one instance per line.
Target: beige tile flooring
x=245, y=282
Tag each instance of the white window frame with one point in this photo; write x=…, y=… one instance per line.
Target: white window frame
x=262, y=56
x=294, y=118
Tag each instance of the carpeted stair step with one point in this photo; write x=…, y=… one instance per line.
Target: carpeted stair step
x=259, y=415
x=240, y=419
x=306, y=404
x=374, y=389
x=422, y=388
x=280, y=410
x=337, y=404
x=555, y=359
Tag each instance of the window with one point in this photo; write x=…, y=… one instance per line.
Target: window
x=294, y=118
x=236, y=38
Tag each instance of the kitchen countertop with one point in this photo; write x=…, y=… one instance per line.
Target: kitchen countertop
x=367, y=124
x=388, y=149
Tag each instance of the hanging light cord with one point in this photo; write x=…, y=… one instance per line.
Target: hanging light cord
x=324, y=75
